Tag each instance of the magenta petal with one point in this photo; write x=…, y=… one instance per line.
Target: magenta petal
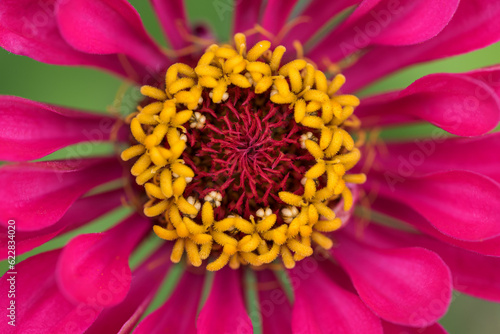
x=40, y=306
x=226, y=297
x=29, y=28
x=94, y=267
x=275, y=308
x=472, y=273
x=276, y=14
x=441, y=154
x=463, y=34
x=108, y=27
x=172, y=15
x=406, y=214
x=83, y=211
x=401, y=284
x=246, y=15
x=31, y=130
x=38, y=194
x=317, y=14
x=423, y=20
x=146, y=280
x=461, y=204
x=445, y=100
x=385, y=22
x=178, y=314
x=490, y=76
x=397, y=329
x=321, y=305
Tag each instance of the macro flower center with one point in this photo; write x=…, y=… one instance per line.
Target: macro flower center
x=242, y=159
x=247, y=149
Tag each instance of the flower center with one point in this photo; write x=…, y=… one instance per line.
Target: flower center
x=242, y=159
x=248, y=149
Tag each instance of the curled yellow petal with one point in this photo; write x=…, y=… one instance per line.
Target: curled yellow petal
x=207, y=214
x=258, y=50
x=324, y=210
x=328, y=225
x=220, y=263
x=291, y=199
x=243, y=225
x=193, y=253
x=314, y=149
x=164, y=233
x=267, y=223
x=156, y=209
x=182, y=170
x=316, y=171
x=322, y=240
x=132, y=152
x=299, y=111
x=186, y=207
x=177, y=251
x=153, y=92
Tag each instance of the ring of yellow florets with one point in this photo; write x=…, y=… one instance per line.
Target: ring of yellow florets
x=164, y=175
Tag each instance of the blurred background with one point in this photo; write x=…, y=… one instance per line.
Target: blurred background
x=86, y=88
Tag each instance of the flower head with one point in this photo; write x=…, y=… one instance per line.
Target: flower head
x=256, y=178
x=244, y=151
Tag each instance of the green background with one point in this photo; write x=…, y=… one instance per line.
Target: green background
x=93, y=90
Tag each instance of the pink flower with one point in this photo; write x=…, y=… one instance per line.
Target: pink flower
x=423, y=223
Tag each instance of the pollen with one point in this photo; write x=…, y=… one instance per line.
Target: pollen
x=241, y=157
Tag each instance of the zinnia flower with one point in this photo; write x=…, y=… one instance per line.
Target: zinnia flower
x=257, y=167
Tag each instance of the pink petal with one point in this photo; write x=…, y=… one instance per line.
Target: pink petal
x=226, y=297
x=172, y=15
x=29, y=28
x=401, y=285
x=83, y=211
x=461, y=204
x=445, y=100
x=276, y=14
x=108, y=27
x=315, y=16
x=178, y=314
x=385, y=22
x=490, y=76
x=146, y=280
x=40, y=306
x=275, y=308
x=36, y=35
x=31, y=130
x=95, y=266
x=464, y=33
x=246, y=15
x=321, y=305
x=38, y=194
x=472, y=273
x=397, y=329
x=441, y=154
x=406, y=214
